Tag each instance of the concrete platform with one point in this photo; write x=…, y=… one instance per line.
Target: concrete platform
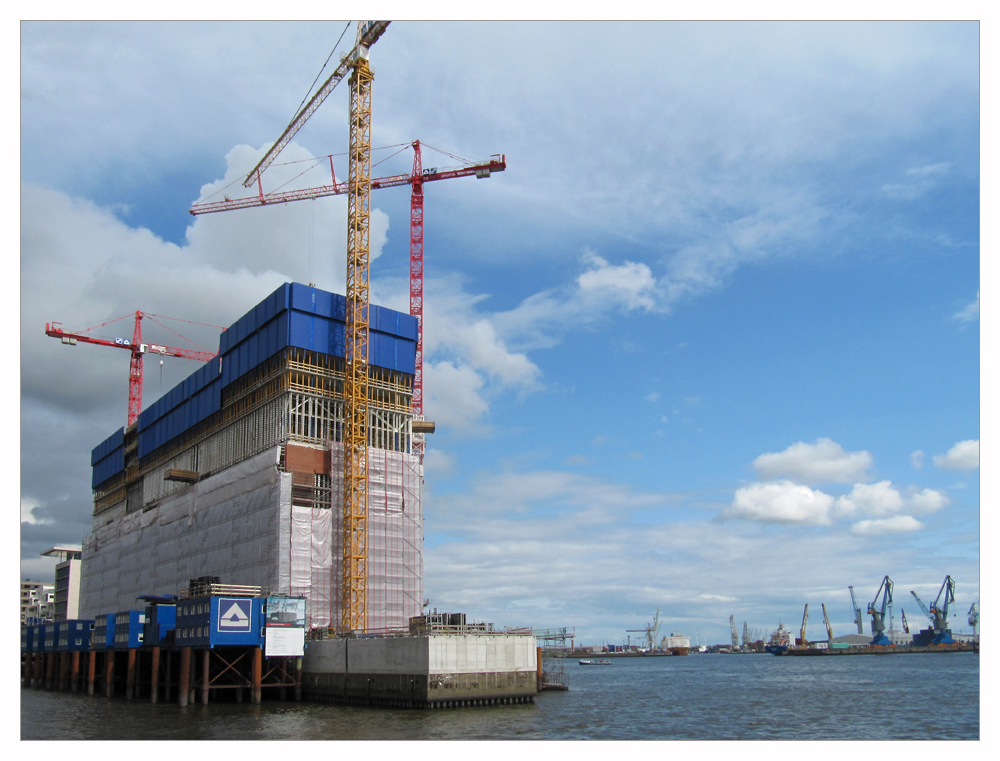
x=430, y=671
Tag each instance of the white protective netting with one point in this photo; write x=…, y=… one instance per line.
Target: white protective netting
x=241, y=526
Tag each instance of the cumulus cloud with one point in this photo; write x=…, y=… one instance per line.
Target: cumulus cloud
x=628, y=285
x=963, y=456
x=780, y=502
x=822, y=462
x=882, y=500
x=899, y=524
x=917, y=459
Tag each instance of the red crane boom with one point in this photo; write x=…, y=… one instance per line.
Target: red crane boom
x=416, y=179
x=137, y=349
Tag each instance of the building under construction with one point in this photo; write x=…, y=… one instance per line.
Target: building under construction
x=236, y=472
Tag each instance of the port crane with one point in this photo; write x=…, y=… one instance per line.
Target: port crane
x=906, y=627
x=651, y=630
x=415, y=179
x=858, y=618
x=134, y=346
x=877, y=611
x=802, y=630
x=938, y=612
x=732, y=631
x=826, y=622
x=974, y=618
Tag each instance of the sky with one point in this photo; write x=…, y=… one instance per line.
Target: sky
x=710, y=346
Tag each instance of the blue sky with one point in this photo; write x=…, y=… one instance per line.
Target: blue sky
x=709, y=345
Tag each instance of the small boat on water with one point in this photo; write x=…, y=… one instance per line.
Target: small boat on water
x=589, y=662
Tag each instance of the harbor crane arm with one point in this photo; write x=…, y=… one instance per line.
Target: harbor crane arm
x=802, y=631
x=922, y=606
x=858, y=618
x=826, y=622
x=367, y=36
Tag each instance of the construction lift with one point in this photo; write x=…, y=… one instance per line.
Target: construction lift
x=877, y=611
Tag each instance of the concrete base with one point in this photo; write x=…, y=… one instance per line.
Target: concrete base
x=435, y=671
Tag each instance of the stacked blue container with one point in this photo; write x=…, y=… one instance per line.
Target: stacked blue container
x=128, y=630
x=75, y=635
x=210, y=621
x=103, y=637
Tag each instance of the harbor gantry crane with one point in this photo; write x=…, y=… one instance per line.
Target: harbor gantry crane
x=732, y=631
x=938, y=612
x=416, y=179
x=877, y=611
x=974, y=619
x=802, y=631
x=859, y=620
x=826, y=622
x=906, y=626
x=135, y=347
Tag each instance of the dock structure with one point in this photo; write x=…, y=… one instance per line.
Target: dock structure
x=236, y=474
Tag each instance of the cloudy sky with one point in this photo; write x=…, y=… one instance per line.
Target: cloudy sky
x=709, y=345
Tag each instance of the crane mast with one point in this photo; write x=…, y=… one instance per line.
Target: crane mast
x=877, y=611
x=355, y=526
x=859, y=620
x=826, y=622
x=802, y=631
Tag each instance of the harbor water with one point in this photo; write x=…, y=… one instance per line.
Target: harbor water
x=698, y=697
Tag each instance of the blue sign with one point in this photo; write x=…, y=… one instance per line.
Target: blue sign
x=234, y=614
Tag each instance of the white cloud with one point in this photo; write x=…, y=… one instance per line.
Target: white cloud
x=917, y=459
x=963, y=456
x=652, y=397
x=628, y=285
x=780, y=502
x=919, y=180
x=822, y=462
x=970, y=313
x=898, y=524
x=879, y=499
x=882, y=500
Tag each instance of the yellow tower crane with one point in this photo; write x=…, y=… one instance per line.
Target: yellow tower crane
x=354, y=569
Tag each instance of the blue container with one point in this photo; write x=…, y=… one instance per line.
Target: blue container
x=103, y=637
x=128, y=631
x=48, y=637
x=216, y=620
x=28, y=638
x=161, y=618
x=75, y=635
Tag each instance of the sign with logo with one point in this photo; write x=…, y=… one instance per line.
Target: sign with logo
x=284, y=641
x=234, y=614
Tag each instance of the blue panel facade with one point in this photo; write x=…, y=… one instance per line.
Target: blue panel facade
x=216, y=620
x=129, y=626
x=160, y=621
x=75, y=635
x=294, y=315
x=103, y=637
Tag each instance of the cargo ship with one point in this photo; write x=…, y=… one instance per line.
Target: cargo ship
x=780, y=641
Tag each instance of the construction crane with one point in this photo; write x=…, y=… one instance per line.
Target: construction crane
x=938, y=612
x=858, y=618
x=135, y=346
x=735, y=636
x=826, y=622
x=416, y=179
x=802, y=631
x=354, y=566
x=877, y=611
x=974, y=618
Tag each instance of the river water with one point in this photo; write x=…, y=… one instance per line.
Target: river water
x=698, y=697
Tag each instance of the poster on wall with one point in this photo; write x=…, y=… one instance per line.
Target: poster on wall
x=284, y=641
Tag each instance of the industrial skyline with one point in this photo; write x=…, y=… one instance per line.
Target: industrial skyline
x=709, y=344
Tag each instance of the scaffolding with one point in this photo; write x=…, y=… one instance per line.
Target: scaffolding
x=263, y=504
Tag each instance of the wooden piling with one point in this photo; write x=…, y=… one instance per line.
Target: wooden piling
x=109, y=674
x=185, y=675
x=257, y=672
x=91, y=671
x=155, y=675
x=204, y=671
x=130, y=675
x=74, y=674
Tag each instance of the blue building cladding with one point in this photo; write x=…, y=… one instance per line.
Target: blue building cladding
x=294, y=315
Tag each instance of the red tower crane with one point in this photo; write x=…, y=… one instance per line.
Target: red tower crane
x=135, y=346
x=416, y=180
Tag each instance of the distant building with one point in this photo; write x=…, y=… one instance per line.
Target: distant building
x=37, y=601
x=67, y=587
